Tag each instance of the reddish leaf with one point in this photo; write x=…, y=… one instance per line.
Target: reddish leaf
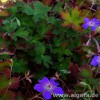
x=73, y=68
x=48, y=35
x=10, y=95
x=73, y=76
x=64, y=45
x=4, y=13
x=14, y=83
x=0, y=21
x=47, y=2
x=29, y=1
x=5, y=63
x=6, y=72
x=72, y=19
x=86, y=70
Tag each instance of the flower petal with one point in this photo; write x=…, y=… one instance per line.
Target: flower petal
x=46, y=95
x=58, y=90
x=43, y=80
x=38, y=87
x=86, y=20
x=52, y=81
x=94, y=61
x=93, y=28
x=98, y=23
x=94, y=20
x=85, y=26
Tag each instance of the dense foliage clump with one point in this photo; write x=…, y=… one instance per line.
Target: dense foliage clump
x=56, y=39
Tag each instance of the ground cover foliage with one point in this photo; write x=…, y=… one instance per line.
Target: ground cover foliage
x=56, y=40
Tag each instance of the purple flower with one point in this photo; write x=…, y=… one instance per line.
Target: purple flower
x=48, y=87
x=95, y=61
x=93, y=23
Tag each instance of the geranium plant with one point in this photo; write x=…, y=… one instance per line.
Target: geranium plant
x=49, y=49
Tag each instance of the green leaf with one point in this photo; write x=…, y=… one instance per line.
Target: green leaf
x=51, y=20
x=39, y=55
x=5, y=21
x=83, y=83
x=13, y=9
x=39, y=48
x=40, y=11
x=1, y=40
x=42, y=28
x=58, y=29
x=22, y=33
x=43, y=59
x=3, y=82
x=62, y=64
x=5, y=63
x=9, y=26
x=46, y=60
x=67, y=52
x=19, y=66
x=19, y=98
x=28, y=10
x=39, y=51
x=41, y=73
x=14, y=25
x=18, y=22
x=57, y=7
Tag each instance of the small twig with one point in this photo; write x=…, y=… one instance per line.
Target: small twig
x=89, y=10
x=8, y=85
x=6, y=92
x=97, y=44
x=36, y=96
x=81, y=3
x=64, y=84
x=50, y=46
x=88, y=42
x=96, y=72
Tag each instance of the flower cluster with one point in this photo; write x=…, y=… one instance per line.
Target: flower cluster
x=48, y=87
x=93, y=23
x=95, y=61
